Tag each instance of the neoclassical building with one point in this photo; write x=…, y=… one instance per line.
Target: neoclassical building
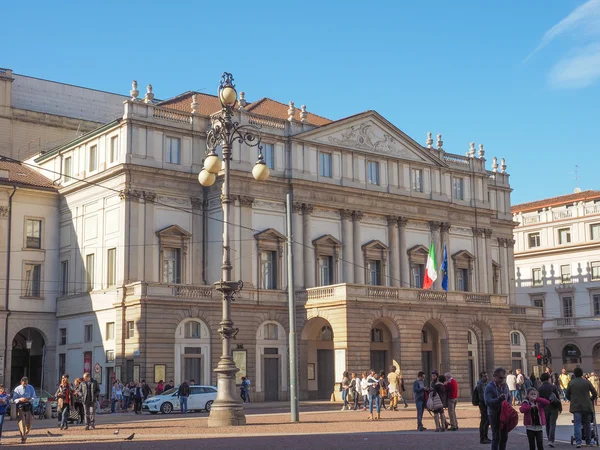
x=140, y=249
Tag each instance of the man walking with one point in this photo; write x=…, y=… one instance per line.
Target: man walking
x=183, y=393
x=563, y=381
x=521, y=386
x=511, y=382
x=138, y=396
x=452, y=395
x=484, y=422
x=550, y=392
x=578, y=393
x=24, y=396
x=419, y=396
x=495, y=394
x=89, y=396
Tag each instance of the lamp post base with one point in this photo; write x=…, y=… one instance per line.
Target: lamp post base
x=227, y=410
x=226, y=416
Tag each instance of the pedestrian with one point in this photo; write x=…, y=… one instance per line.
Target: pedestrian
x=146, y=391
x=77, y=400
x=23, y=396
x=169, y=385
x=496, y=393
x=4, y=404
x=534, y=418
x=529, y=382
x=364, y=387
x=452, y=393
x=160, y=388
x=119, y=403
x=521, y=385
x=596, y=383
x=355, y=390
x=419, y=396
x=479, y=398
x=64, y=394
x=580, y=393
x=248, y=383
x=551, y=393
x=113, y=397
x=511, y=382
x=345, y=387
x=383, y=389
x=90, y=392
x=563, y=380
x=126, y=396
x=394, y=388
x=183, y=393
x=243, y=390
x=138, y=397
x=373, y=389
x=441, y=391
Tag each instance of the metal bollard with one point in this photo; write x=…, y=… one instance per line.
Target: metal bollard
x=48, y=414
x=13, y=411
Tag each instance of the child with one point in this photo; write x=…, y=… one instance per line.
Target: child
x=534, y=418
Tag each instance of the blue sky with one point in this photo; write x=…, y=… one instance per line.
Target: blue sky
x=520, y=77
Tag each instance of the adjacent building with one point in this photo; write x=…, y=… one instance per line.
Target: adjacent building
x=557, y=258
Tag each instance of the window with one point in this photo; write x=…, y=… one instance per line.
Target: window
x=268, y=152
x=93, y=159
x=88, y=333
x=374, y=273
x=271, y=331
x=110, y=330
x=62, y=336
x=325, y=164
x=326, y=333
x=462, y=280
x=325, y=270
x=64, y=277
x=89, y=272
x=33, y=282
x=34, y=233
x=417, y=180
x=417, y=273
x=470, y=337
x=595, y=270
x=564, y=236
x=457, y=186
x=565, y=273
x=538, y=302
x=171, y=265
x=595, y=231
x=536, y=275
x=193, y=330
x=596, y=304
x=173, y=155
x=130, y=329
x=68, y=168
x=376, y=335
x=110, y=356
x=533, y=239
x=268, y=269
x=515, y=339
x=113, y=152
x=567, y=306
x=373, y=172
x=62, y=364
x=423, y=337
x=111, y=267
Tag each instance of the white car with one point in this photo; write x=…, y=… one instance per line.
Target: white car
x=201, y=398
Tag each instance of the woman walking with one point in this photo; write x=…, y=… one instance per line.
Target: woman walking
x=383, y=389
x=439, y=395
x=373, y=388
x=65, y=398
x=77, y=399
x=364, y=387
x=345, y=388
x=355, y=390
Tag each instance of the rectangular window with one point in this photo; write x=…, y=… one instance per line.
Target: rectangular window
x=595, y=231
x=113, y=152
x=457, y=185
x=268, y=152
x=34, y=233
x=193, y=330
x=173, y=155
x=564, y=236
x=417, y=274
x=417, y=180
x=567, y=306
x=88, y=333
x=110, y=356
x=596, y=304
x=373, y=172
x=33, y=281
x=536, y=275
x=325, y=164
x=68, y=168
x=325, y=270
x=533, y=240
x=462, y=280
x=268, y=267
x=110, y=330
x=595, y=269
x=62, y=339
x=374, y=273
x=130, y=329
x=538, y=302
x=62, y=364
x=111, y=267
x=93, y=159
x=89, y=272
x=271, y=331
x=565, y=273
x=64, y=277
x=171, y=265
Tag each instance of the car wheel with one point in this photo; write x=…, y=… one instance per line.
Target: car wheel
x=208, y=406
x=166, y=408
x=153, y=412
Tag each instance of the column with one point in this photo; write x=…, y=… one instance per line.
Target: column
x=404, y=262
x=359, y=260
x=297, y=245
x=393, y=238
x=436, y=238
x=510, y=248
x=347, y=247
x=445, y=235
x=504, y=275
x=246, y=257
x=480, y=281
x=309, y=251
x=488, y=260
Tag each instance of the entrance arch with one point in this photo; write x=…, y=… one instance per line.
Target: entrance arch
x=192, y=351
x=473, y=358
x=571, y=355
x=271, y=367
x=518, y=349
x=317, y=350
x=385, y=345
x=434, y=348
x=27, y=360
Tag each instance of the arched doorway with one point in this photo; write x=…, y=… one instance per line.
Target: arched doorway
x=318, y=351
x=271, y=357
x=518, y=349
x=473, y=358
x=28, y=352
x=596, y=359
x=385, y=346
x=434, y=348
x=571, y=356
x=192, y=352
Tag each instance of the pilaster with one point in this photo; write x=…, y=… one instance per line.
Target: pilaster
x=359, y=270
x=403, y=260
x=489, y=273
x=347, y=247
x=393, y=239
x=197, y=241
x=445, y=235
x=309, y=252
x=298, y=245
x=247, y=241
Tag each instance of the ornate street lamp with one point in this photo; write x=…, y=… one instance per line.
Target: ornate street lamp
x=227, y=409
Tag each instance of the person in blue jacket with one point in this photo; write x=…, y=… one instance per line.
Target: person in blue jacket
x=495, y=393
x=4, y=405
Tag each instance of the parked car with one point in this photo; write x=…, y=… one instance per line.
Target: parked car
x=201, y=399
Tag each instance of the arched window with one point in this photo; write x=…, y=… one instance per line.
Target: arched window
x=571, y=354
x=326, y=333
x=193, y=330
x=470, y=338
x=515, y=338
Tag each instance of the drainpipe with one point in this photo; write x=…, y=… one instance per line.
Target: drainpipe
x=7, y=294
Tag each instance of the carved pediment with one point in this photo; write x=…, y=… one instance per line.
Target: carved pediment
x=173, y=231
x=418, y=250
x=270, y=234
x=463, y=254
x=327, y=240
x=375, y=244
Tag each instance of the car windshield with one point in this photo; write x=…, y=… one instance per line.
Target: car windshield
x=170, y=391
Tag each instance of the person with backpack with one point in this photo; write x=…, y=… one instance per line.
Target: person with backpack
x=435, y=402
x=496, y=395
x=581, y=394
x=551, y=393
x=478, y=400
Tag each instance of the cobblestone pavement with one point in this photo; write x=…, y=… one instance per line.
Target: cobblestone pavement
x=267, y=427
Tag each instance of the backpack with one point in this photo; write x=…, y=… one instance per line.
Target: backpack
x=475, y=397
x=509, y=418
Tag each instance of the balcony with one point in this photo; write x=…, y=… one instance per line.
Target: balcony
x=567, y=325
x=526, y=312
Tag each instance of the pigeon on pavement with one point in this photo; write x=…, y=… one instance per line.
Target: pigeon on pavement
x=50, y=434
x=116, y=432
x=130, y=438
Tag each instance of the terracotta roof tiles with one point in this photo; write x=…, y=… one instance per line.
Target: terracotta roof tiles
x=24, y=176
x=557, y=201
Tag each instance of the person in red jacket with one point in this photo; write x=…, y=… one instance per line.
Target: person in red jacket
x=452, y=393
x=534, y=418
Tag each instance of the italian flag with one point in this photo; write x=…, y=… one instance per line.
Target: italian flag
x=431, y=268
